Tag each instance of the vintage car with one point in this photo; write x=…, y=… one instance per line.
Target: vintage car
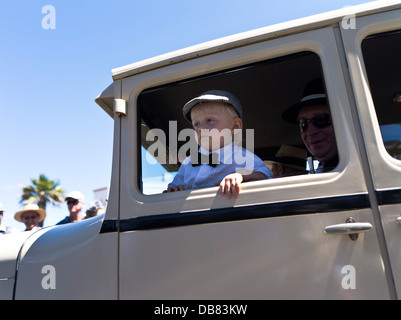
x=331, y=235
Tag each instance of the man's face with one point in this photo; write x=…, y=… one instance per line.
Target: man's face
x=74, y=205
x=30, y=218
x=320, y=142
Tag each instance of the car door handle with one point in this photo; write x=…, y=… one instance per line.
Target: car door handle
x=398, y=220
x=349, y=228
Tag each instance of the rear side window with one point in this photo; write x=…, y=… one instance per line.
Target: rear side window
x=266, y=89
x=382, y=57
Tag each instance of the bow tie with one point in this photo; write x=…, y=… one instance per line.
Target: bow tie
x=211, y=159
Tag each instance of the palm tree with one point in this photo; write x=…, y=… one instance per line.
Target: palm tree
x=41, y=192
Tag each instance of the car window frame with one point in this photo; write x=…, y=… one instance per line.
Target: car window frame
x=377, y=154
x=321, y=41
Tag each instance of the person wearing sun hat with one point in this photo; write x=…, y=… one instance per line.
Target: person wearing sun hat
x=95, y=208
x=31, y=215
x=75, y=202
x=312, y=114
x=287, y=161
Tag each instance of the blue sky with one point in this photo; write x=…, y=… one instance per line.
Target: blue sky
x=49, y=122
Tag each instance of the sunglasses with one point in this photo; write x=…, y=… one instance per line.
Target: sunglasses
x=25, y=217
x=320, y=121
x=74, y=202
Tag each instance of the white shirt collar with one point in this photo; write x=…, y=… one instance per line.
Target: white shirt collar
x=225, y=153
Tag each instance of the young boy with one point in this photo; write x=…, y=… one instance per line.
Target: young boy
x=215, y=115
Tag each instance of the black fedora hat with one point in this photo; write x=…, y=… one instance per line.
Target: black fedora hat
x=314, y=94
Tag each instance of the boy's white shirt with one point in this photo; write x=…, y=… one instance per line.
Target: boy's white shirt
x=194, y=177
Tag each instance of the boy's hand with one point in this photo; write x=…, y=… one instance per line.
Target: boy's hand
x=229, y=186
x=174, y=188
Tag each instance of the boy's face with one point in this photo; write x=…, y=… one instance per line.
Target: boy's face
x=214, y=125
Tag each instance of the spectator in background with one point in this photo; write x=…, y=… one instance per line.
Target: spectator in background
x=95, y=208
x=75, y=202
x=31, y=215
x=288, y=161
x=3, y=228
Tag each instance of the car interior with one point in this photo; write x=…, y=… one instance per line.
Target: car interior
x=265, y=90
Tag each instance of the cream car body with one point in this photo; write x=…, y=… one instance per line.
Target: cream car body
x=282, y=238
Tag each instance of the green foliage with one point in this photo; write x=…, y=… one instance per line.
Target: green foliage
x=42, y=191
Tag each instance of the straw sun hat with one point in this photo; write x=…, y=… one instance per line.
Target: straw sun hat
x=31, y=207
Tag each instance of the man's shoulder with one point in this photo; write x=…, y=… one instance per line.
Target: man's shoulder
x=64, y=221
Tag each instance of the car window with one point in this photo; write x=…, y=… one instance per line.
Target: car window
x=265, y=90
x=382, y=58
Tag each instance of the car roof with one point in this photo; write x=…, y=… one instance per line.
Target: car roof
x=254, y=36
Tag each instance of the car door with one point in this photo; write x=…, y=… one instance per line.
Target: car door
x=373, y=53
x=270, y=242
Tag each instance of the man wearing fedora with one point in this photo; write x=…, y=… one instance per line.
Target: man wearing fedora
x=312, y=114
x=31, y=215
x=75, y=202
